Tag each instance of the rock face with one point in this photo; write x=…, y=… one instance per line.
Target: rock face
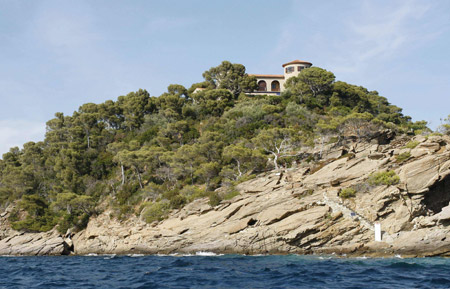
x=34, y=244
x=48, y=243
x=294, y=211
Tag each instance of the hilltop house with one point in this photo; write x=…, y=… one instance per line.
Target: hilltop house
x=274, y=84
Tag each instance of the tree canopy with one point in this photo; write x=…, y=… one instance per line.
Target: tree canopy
x=232, y=77
x=146, y=154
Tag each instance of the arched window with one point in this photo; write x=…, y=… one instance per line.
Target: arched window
x=262, y=86
x=275, y=85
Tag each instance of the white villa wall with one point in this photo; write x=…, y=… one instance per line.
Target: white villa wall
x=269, y=80
x=282, y=80
x=295, y=72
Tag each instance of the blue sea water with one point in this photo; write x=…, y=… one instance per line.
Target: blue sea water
x=227, y=271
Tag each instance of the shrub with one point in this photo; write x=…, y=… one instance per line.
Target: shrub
x=347, y=193
x=36, y=218
x=156, y=211
x=231, y=194
x=177, y=201
x=125, y=192
x=245, y=178
x=384, y=178
x=403, y=157
x=122, y=211
x=29, y=224
x=192, y=192
x=214, y=199
x=412, y=144
x=333, y=139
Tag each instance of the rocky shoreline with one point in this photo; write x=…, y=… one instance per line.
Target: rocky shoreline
x=292, y=211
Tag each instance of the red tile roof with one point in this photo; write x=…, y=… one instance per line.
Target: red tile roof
x=297, y=62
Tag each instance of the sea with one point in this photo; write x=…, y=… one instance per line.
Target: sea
x=207, y=270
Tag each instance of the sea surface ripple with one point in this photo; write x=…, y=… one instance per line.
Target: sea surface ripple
x=226, y=271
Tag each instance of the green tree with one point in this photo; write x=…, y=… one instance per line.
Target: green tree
x=230, y=76
x=358, y=124
x=186, y=161
x=114, y=149
x=73, y=203
x=326, y=127
x=135, y=159
x=38, y=217
x=245, y=158
x=177, y=90
x=135, y=106
x=171, y=104
x=207, y=171
x=311, y=85
x=279, y=142
x=88, y=119
x=213, y=102
x=445, y=127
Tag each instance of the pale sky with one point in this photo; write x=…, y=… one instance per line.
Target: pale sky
x=56, y=55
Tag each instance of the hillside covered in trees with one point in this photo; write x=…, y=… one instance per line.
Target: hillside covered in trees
x=146, y=155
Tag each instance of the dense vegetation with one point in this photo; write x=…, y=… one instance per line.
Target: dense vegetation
x=147, y=155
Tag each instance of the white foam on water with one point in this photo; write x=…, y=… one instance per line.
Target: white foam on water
x=205, y=253
x=325, y=257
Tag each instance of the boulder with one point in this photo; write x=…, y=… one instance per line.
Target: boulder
x=444, y=215
x=419, y=138
x=376, y=156
x=384, y=137
x=418, y=175
x=49, y=243
x=442, y=140
x=430, y=146
x=419, y=152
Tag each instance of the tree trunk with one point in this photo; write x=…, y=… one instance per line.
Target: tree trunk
x=139, y=178
x=239, y=168
x=113, y=189
x=321, y=146
x=275, y=160
x=123, y=174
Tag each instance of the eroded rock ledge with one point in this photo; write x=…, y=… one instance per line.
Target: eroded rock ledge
x=293, y=211
x=37, y=244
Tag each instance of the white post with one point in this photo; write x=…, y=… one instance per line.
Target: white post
x=377, y=232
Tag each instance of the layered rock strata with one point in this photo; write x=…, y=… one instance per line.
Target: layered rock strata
x=297, y=210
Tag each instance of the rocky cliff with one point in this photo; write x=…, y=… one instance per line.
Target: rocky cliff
x=296, y=210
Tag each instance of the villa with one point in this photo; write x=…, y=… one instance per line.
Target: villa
x=274, y=84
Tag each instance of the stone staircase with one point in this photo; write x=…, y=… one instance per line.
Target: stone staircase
x=335, y=203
